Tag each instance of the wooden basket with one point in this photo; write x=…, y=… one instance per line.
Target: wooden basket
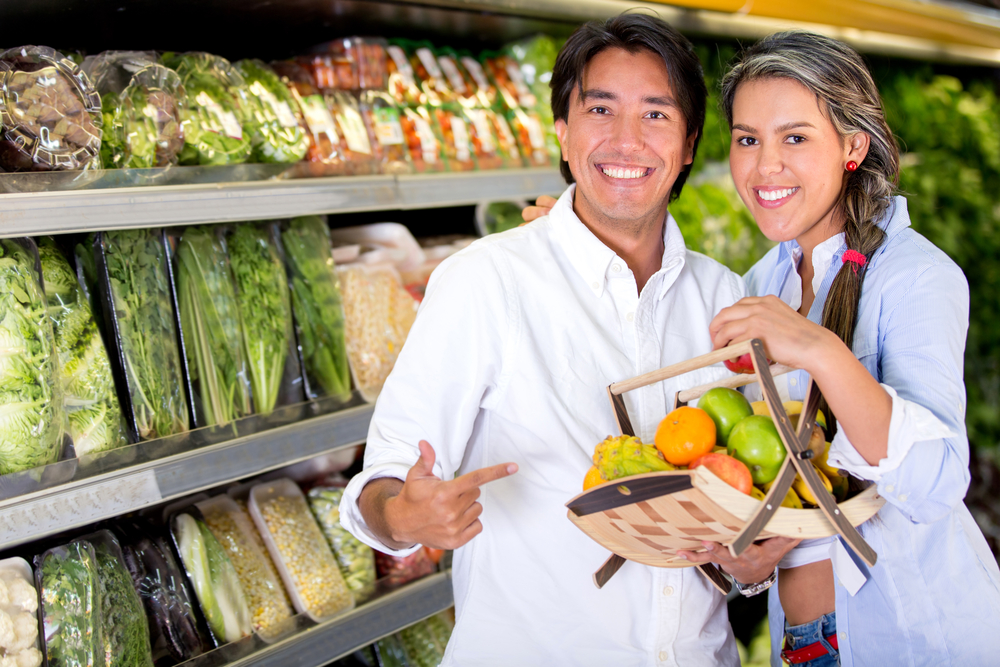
x=648, y=518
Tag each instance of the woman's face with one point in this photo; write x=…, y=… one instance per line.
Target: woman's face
x=788, y=161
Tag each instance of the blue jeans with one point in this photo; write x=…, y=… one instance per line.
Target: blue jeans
x=797, y=636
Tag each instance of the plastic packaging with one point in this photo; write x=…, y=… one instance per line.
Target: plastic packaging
x=212, y=113
x=138, y=295
x=355, y=558
x=296, y=543
x=49, y=112
x=459, y=81
x=355, y=146
x=323, y=154
x=270, y=610
x=406, y=253
x=485, y=90
x=389, y=652
x=31, y=433
x=530, y=133
x=19, y=637
x=90, y=403
x=434, y=86
x=457, y=142
x=318, y=307
x=401, y=82
x=400, y=570
x=423, y=139
x=174, y=632
x=265, y=306
x=212, y=577
x=124, y=631
x=509, y=79
x=273, y=118
x=71, y=605
x=359, y=63
x=141, y=107
x=212, y=329
x=422, y=644
x=382, y=120
x=483, y=137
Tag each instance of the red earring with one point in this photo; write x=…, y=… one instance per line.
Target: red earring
x=852, y=165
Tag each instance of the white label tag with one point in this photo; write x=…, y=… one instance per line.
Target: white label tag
x=517, y=78
x=78, y=507
x=388, y=131
x=506, y=135
x=428, y=142
x=482, y=125
x=454, y=76
x=402, y=65
x=535, y=134
x=430, y=63
x=280, y=109
x=226, y=122
x=318, y=118
x=460, y=134
x=475, y=70
x=354, y=130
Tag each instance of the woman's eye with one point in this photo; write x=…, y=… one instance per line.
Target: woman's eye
x=796, y=139
x=746, y=141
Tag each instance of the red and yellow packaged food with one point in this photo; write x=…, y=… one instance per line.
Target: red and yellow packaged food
x=434, y=87
x=355, y=145
x=528, y=129
x=509, y=152
x=324, y=156
x=385, y=131
x=482, y=135
x=359, y=63
x=401, y=82
x=507, y=74
x=458, y=148
x=423, y=139
x=321, y=68
x=486, y=92
x=459, y=79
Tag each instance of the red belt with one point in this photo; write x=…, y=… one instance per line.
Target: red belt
x=807, y=653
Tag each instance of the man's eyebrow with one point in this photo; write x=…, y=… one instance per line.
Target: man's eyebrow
x=598, y=94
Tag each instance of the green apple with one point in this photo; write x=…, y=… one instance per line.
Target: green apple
x=755, y=442
x=727, y=408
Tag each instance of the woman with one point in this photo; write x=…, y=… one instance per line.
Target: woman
x=877, y=315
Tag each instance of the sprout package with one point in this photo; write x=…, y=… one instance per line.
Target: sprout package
x=141, y=104
x=49, y=112
x=19, y=637
x=355, y=558
x=272, y=115
x=71, y=605
x=31, y=425
x=385, y=131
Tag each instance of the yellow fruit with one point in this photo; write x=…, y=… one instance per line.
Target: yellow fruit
x=757, y=493
x=791, y=498
x=821, y=462
x=593, y=478
x=840, y=488
x=718, y=450
x=791, y=408
x=803, y=490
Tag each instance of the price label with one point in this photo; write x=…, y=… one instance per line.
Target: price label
x=454, y=76
x=524, y=94
x=388, y=131
x=428, y=142
x=535, y=134
x=225, y=121
x=354, y=130
x=460, y=133
x=402, y=65
x=430, y=63
x=482, y=125
x=318, y=118
x=475, y=70
x=279, y=108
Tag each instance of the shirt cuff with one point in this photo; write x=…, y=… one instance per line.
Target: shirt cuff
x=910, y=423
x=827, y=548
x=350, y=513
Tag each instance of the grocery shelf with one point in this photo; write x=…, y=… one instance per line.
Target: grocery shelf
x=34, y=213
x=78, y=492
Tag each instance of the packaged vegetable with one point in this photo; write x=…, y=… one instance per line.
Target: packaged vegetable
x=457, y=142
x=211, y=326
x=49, y=112
x=213, y=578
x=124, y=631
x=355, y=146
x=507, y=147
x=141, y=108
x=423, y=647
x=71, y=605
x=31, y=415
x=509, y=79
x=323, y=155
x=358, y=63
x=378, y=314
x=530, y=135
x=296, y=543
x=483, y=138
x=271, y=118
x=19, y=638
x=401, y=82
x=382, y=120
x=90, y=403
x=486, y=92
x=270, y=610
x=137, y=291
x=434, y=86
x=265, y=307
x=212, y=112
x=459, y=80
x=537, y=56
x=398, y=570
x=389, y=652
x=174, y=632
x=355, y=558
x=318, y=308
x=423, y=139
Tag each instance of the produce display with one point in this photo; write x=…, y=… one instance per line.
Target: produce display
x=140, y=103
x=19, y=638
x=269, y=607
x=385, y=131
x=123, y=620
x=298, y=547
x=71, y=606
x=317, y=304
x=423, y=645
x=137, y=289
x=423, y=139
x=272, y=116
x=212, y=329
x=265, y=309
x=456, y=144
x=355, y=146
x=390, y=652
x=50, y=113
x=93, y=415
x=213, y=579
x=355, y=558
x=31, y=415
x=359, y=63
x=323, y=154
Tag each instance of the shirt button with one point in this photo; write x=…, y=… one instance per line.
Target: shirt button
x=630, y=317
x=663, y=656
x=793, y=382
x=843, y=635
x=596, y=285
x=616, y=268
x=668, y=590
x=889, y=488
x=902, y=497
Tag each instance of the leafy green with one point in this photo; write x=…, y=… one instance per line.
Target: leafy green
x=140, y=292
x=71, y=606
x=210, y=320
x=275, y=131
x=93, y=415
x=30, y=401
x=316, y=302
x=124, y=628
x=265, y=308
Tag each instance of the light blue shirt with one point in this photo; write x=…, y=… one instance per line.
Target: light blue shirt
x=933, y=597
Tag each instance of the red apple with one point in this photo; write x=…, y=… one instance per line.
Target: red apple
x=742, y=364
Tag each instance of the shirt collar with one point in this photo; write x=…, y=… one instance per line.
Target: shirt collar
x=594, y=261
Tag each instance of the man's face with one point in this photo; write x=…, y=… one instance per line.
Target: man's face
x=625, y=139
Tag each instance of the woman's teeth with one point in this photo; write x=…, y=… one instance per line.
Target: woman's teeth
x=774, y=195
x=617, y=172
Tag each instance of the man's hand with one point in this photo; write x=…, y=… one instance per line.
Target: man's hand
x=426, y=510
x=756, y=564
x=543, y=206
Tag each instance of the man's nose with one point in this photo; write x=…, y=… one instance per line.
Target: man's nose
x=628, y=134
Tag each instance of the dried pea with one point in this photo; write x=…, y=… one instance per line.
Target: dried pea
x=355, y=558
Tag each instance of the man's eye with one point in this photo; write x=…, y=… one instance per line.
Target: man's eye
x=746, y=141
x=601, y=110
x=658, y=115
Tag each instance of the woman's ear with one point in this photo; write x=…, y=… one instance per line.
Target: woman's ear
x=857, y=146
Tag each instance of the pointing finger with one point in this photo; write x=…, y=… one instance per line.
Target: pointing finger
x=477, y=478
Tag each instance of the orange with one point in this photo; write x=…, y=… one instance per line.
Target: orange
x=684, y=435
x=593, y=478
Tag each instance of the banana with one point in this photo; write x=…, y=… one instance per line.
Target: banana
x=757, y=493
x=805, y=492
x=820, y=460
x=791, y=499
x=792, y=408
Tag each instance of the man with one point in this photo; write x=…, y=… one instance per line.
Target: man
x=506, y=368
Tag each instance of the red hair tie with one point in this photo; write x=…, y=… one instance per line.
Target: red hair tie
x=856, y=257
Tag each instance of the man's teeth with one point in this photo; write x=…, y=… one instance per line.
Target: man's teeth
x=774, y=195
x=618, y=172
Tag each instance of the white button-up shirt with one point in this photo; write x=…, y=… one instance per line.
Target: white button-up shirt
x=517, y=339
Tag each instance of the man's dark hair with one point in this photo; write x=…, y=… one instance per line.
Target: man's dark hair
x=633, y=33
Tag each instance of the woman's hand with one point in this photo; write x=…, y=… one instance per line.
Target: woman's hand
x=543, y=206
x=756, y=564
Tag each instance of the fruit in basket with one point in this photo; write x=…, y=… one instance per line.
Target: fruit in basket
x=792, y=409
x=729, y=470
x=685, y=434
x=755, y=442
x=803, y=490
x=741, y=364
x=727, y=407
x=625, y=455
x=791, y=498
x=757, y=493
x=593, y=478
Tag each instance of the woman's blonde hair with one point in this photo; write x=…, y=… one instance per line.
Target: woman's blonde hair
x=842, y=84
